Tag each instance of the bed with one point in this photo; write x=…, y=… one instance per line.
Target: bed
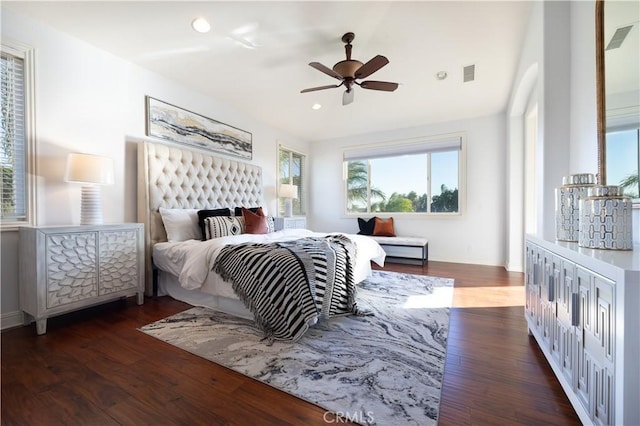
x=171, y=177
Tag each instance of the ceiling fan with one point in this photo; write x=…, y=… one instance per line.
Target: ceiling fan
x=351, y=70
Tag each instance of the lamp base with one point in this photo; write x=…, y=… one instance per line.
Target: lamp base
x=91, y=206
x=288, y=207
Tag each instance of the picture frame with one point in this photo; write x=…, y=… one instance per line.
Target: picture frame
x=170, y=122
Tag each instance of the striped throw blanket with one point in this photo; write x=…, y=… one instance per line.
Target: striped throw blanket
x=289, y=286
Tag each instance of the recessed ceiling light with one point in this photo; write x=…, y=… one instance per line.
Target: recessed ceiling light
x=201, y=25
x=316, y=106
x=441, y=75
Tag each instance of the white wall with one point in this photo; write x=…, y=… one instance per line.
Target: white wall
x=527, y=89
x=475, y=237
x=88, y=100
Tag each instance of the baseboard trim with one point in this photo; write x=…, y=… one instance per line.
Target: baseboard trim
x=11, y=320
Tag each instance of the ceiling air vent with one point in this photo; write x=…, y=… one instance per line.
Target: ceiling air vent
x=618, y=37
x=469, y=73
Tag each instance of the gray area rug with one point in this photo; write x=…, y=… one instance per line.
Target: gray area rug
x=385, y=369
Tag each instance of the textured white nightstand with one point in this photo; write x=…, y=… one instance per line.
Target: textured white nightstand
x=65, y=268
x=292, y=222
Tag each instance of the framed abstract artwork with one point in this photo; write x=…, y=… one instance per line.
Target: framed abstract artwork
x=169, y=122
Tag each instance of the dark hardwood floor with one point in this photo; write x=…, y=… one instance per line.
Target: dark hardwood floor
x=94, y=368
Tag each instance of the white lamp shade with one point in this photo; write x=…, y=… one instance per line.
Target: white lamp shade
x=288, y=191
x=89, y=169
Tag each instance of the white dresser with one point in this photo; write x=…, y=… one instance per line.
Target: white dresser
x=583, y=308
x=66, y=268
x=292, y=222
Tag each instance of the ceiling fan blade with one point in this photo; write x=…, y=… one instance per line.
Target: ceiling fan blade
x=372, y=66
x=347, y=97
x=379, y=85
x=326, y=70
x=313, y=89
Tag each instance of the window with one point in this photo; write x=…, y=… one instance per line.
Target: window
x=623, y=160
x=419, y=177
x=16, y=73
x=292, y=170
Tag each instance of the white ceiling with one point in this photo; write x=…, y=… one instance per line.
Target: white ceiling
x=418, y=38
x=622, y=65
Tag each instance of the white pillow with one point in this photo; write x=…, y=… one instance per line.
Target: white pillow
x=181, y=224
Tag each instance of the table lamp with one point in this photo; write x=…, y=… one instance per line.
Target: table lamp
x=288, y=192
x=92, y=171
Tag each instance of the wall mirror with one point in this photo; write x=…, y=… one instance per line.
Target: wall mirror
x=618, y=88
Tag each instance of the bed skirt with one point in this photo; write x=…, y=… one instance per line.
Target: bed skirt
x=168, y=285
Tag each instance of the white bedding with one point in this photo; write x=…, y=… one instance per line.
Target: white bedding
x=192, y=261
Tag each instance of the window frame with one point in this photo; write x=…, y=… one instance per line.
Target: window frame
x=403, y=145
x=28, y=55
x=302, y=189
x=635, y=127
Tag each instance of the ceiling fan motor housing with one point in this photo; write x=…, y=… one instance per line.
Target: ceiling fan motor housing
x=347, y=68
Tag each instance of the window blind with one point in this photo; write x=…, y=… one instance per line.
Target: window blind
x=13, y=139
x=381, y=151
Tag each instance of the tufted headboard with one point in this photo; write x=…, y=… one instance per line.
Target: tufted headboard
x=175, y=177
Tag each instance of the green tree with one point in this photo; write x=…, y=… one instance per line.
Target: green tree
x=420, y=203
x=398, y=203
x=357, y=182
x=447, y=201
x=377, y=207
x=631, y=185
x=8, y=203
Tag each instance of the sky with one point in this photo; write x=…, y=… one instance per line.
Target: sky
x=398, y=174
x=622, y=155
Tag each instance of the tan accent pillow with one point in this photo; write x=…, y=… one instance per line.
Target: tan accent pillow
x=255, y=223
x=383, y=227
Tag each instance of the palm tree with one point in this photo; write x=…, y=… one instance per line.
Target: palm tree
x=357, y=183
x=631, y=182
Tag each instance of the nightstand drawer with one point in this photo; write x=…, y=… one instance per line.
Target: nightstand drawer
x=293, y=222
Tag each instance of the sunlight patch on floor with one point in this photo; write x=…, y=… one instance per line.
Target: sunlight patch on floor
x=440, y=298
x=488, y=297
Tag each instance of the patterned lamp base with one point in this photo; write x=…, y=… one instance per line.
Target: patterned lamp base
x=91, y=205
x=605, y=219
x=573, y=189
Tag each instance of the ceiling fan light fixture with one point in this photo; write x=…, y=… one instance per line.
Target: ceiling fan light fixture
x=350, y=71
x=347, y=97
x=201, y=25
x=348, y=68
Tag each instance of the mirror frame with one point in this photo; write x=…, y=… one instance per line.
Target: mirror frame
x=601, y=177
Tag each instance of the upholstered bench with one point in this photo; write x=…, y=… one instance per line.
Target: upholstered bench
x=412, y=250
